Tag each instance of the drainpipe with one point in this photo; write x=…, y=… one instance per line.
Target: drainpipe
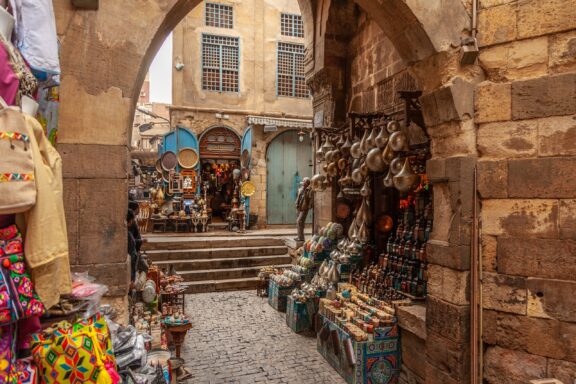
x=476, y=293
x=470, y=49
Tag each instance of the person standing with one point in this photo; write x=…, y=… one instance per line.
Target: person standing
x=304, y=201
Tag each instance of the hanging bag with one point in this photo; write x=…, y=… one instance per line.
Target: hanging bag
x=17, y=297
x=17, y=183
x=81, y=352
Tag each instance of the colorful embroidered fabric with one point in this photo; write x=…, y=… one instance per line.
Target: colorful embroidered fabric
x=78, y=353
x=14, y=136
x=6, y=177
x=7, y=353
x=25, y=372
x=17, y=297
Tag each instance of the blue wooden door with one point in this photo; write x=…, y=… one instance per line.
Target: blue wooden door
x=246, y=145
x=288, y=162
x=178, y=139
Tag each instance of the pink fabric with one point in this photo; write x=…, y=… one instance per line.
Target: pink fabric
x=9, y=82
x=27, y=327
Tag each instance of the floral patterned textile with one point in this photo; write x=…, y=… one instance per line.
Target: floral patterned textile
x=17, y=297
x=7, y=353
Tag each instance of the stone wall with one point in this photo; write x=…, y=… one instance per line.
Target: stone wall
x=526, y=116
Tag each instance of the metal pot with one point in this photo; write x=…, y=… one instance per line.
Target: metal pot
x=364, y=143
x=393, y=126
x=332, y=169
x=406, y=180
x=387, y=154
x=357, y=176
x=398, y=141
x=345, y=148
x=382, y=139
x=374, y=160
x=371, y=140
x=396, y=165
x=355, y=150
x=388, y=181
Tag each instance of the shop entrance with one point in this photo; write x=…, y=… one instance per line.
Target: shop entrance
x=219, y=157
x=288, y=162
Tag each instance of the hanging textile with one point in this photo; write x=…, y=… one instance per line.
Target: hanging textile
x=46, y=240
x=36, y=36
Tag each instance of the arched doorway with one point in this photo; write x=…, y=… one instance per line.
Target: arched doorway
x=288, y=162
x=219, y=156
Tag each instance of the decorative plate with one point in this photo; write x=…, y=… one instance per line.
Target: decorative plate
x=248, y=189
x=188, y=158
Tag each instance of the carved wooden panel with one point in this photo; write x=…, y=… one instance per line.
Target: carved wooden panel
x=220, y=143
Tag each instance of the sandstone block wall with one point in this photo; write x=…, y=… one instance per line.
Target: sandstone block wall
x=526, y=116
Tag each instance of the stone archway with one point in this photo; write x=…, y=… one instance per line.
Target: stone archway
x=105, y=54
x=429, y=50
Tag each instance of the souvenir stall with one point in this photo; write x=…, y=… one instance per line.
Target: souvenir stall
x=355, y=271
x=178, y=199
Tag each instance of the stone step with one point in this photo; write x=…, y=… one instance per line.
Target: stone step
x=225, y=263
x=222, y=274
x=166, y=243
x=216, y=253
x=222, y=285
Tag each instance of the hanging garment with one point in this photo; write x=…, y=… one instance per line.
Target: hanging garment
x=36, y=35
x=45, y=237
x=17, y=298
x=17, y=184
x=7, y=353
x=9, y=82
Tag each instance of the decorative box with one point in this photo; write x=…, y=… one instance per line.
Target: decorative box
x=376, y=362
x=278, y=295
x=299, y=316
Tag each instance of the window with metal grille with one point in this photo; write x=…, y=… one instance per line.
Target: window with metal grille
x=219, y=15
x=220, y=63
x=291, y=25
x=291, y=81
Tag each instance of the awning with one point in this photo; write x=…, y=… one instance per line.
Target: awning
x=279, y=122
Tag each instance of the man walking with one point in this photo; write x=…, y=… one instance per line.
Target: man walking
x=304, y=202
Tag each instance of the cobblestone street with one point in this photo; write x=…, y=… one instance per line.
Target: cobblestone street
x=238, y=338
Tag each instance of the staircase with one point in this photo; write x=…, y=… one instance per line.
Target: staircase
x=218, y=263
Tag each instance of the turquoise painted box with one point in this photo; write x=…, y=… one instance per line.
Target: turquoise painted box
x=277, y=296
x=299, y=316
x=377, y=362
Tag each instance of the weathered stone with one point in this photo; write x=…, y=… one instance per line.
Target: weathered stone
x=508, y=139
x=552, y=180
x=453, y=102
x=72, y=205
x=436, y=170
x=448, y=356
x=102, y=231
x=543, y=337
x=437, y=376
x=448, y=284
x=521, y=218
x=504, y=293
x=504, y=366
x=497, y=25
x=448, y=320
x=451, y=256
x=459, y=139
x=493, y=102
x=94, y=161
x=516, y=60
x=493, y=179
x=536, y=18
x=564, y=371
x=99, y=124
x=460, y=168
x=557, y=136
x=554, y=259
x=413, y=353
x=563, y=52
x=567, y=220
x=412, y=318
x=115, y=276
x=494, y=3
x=542, y=97
x=552, y=299
x=489, y=253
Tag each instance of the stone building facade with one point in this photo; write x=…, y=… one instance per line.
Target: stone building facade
x=511, y=115
x=258, y=28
